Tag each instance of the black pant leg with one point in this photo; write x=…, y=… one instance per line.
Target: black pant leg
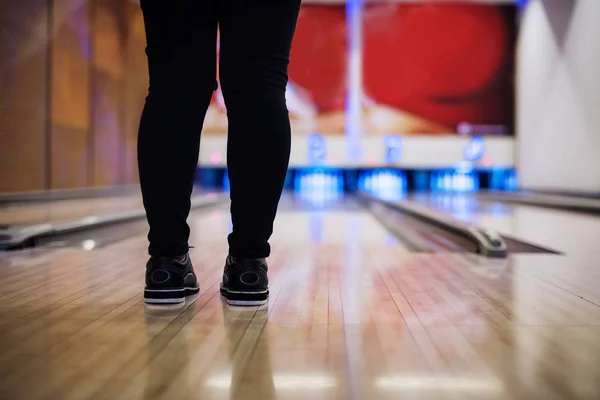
x=181, y=50
x=256, y=38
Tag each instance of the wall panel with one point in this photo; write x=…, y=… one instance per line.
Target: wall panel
x=73, y=79
x=23, y=95
x=558, y=99
x=108, y=66
x=70, y=108
x=136, y=76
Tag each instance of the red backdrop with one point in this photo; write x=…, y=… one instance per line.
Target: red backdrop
x=447, y=63
x=318, y=60
x=426, y=68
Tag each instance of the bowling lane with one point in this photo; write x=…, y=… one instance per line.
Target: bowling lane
x=57, y=211
x=565, y=231
x=64, y=210
x=352, y=314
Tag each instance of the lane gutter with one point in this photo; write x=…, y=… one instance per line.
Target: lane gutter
x=569, y=203
x=489, y=243
x=21, y=237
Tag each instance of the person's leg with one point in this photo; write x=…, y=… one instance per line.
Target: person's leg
x=256, y=38
x=181, y=50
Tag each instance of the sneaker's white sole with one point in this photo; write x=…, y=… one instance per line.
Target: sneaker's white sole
x=247, y=303
x=165, y=301
x=179, y=295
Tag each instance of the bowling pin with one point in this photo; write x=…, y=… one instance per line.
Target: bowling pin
x=445, y=182
x=302, y=182
x=455, y=181
x=305, y=181
x=299, y=181
x=335, y=182
x=318, y=182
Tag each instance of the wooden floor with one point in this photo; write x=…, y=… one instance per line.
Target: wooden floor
x=66, y=210
x=58, y=211
x=352, y=315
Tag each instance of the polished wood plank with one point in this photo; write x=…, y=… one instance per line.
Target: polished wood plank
x=65, y=210
x=352, y=315
x=57, y=211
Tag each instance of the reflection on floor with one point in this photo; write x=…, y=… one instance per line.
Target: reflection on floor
x=352, y=315
x=57, y=211
x=65, y=210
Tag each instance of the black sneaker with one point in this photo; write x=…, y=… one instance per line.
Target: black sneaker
x=245, y=281
x=169, y=280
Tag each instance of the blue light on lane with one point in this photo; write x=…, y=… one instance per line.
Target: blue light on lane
x=388, y=184
x=504, y=180
x=319, y=187
x=461, y=180
x=511, y=181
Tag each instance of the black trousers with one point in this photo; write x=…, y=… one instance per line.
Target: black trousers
x=255, y=42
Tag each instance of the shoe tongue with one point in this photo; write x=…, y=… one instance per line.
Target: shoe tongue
x=168, y=260
x=246, y=261
x=251, y=262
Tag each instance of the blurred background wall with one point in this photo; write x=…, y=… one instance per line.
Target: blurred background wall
x=73, y=79
x=558, y=96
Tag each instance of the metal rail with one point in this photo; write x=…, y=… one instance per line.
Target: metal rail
x=570, y=203
x=488, y=242
x=21, y=237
